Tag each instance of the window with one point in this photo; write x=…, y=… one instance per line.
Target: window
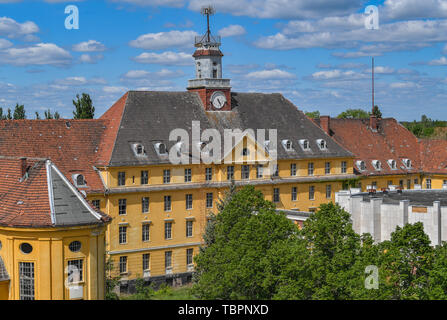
x=122, y=206
x=276, y=195
x=189, y=253
x=139, y=149
x=390, y=183
x=407, y=163
x=123, y=234
x=374, y=184
x=145, y=205
x=328, y=191
x=401, y=183
x=80, y=180
x=26, y=248
x=167, y=176
x=188, y=201
x=145, y=232
x=160, y=148
x=146, y=260
x=209, y=200
x=26, y=280
x=361, y=165
x=187, y=175
x=189, y=228
x=287, y=145
x=392, y=164
x=209, y=174
x=167, y=203
x=428, y=183
x=408, y=184
x=275, y=170
x=245, y=172
x=327, y=168
x=305, y=144
x=230, y=172
x=259, y=171
x=121, y=178
x=322, y=144
x=96, y=204
x=245, y=152
x=377, y=164
x=123, y=264
x=168, y=259
x=293, y=169
x=144, y=177
x=343, y=167
x=75, y=271
x=168, y=230
x=416, y=181
x=294, y=193
x=310, y=169
x=311, y=193
x=214, y=73
x=75, y=246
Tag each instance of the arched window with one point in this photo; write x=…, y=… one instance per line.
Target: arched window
x=245, y=152
x=80, y=180
x=139, y=149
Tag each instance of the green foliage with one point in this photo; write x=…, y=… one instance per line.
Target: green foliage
x=49, y=115
x=376, y=112
x=84, y=108
x=424, y=128
x=111, y=281
x=313, y=114
x=19, y=112
x=233, y=266
x=354, y=114
x=143, y=292
x=258, y=254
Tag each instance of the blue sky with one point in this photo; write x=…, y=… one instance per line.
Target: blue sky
x=317, y=53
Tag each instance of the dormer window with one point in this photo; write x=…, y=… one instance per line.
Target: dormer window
x=160, y=148
x=139, y=149
x=361, y=165
x=304, y=143
x=245, y=152
x=287, y=145
x=377, y=164
x=79, y=180
x=407, y=163
x=322, y=144
x=392, y=164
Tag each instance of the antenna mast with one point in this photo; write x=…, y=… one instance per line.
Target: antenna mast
x=207, y=11
x=372, y=85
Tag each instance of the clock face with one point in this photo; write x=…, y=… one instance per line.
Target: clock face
x=218, y=99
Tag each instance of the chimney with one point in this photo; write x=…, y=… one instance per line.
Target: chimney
x=22, y=166
x=373, y=122
x=325, y=124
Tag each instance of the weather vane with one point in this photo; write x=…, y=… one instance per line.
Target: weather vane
x=208, y=11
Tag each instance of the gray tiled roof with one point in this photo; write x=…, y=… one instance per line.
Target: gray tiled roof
x=150, y=116
x=3, y=273
x=68, y=208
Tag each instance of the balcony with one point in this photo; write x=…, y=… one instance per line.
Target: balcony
x=214, y=83
x=205, y=41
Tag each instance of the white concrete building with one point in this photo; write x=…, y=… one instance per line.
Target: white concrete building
x=380, y=213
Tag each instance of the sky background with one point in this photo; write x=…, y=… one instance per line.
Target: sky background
x=315, y=52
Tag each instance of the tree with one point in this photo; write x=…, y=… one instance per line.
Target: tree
x=354, y=114
x=313, y=114
x=37, y=116
x=84, y=107
x=9, y=115
x=376, y=112
x=49, y=115
x=437, y=280
x=19, y=112
x=233, y=266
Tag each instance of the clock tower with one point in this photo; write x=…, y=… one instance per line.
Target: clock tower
x=214, y=91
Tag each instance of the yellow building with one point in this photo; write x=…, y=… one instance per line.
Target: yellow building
x=52, y=242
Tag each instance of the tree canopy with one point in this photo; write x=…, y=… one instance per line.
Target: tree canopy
x=354, y=114
x=84, y=108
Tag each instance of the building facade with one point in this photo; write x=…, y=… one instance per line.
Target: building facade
x=52, y=242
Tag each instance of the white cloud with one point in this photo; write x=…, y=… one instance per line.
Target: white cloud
x=154, y=3
x=89, y=46
x=79, y=81
x=88, y=58
x=232, y=31
x=13, y=29
x=5, y=44
x=161, y=74
x=163, y=40
x=438, y=62
x=414, y=9
x=337, y=74
x=403, y=85
x=275, y=74
x=168, y=58
x=38, y=54
x=114, y=89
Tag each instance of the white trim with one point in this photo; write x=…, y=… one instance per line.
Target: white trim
x=50, y=191
x=76, y=192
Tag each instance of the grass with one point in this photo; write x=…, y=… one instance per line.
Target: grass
x=164, y=293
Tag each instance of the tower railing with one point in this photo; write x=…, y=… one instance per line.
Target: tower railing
x=207, y=41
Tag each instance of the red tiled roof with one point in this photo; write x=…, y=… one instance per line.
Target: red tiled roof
x=434, y=156
x=25, y=202
x=391, y=141
x=73, y=145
